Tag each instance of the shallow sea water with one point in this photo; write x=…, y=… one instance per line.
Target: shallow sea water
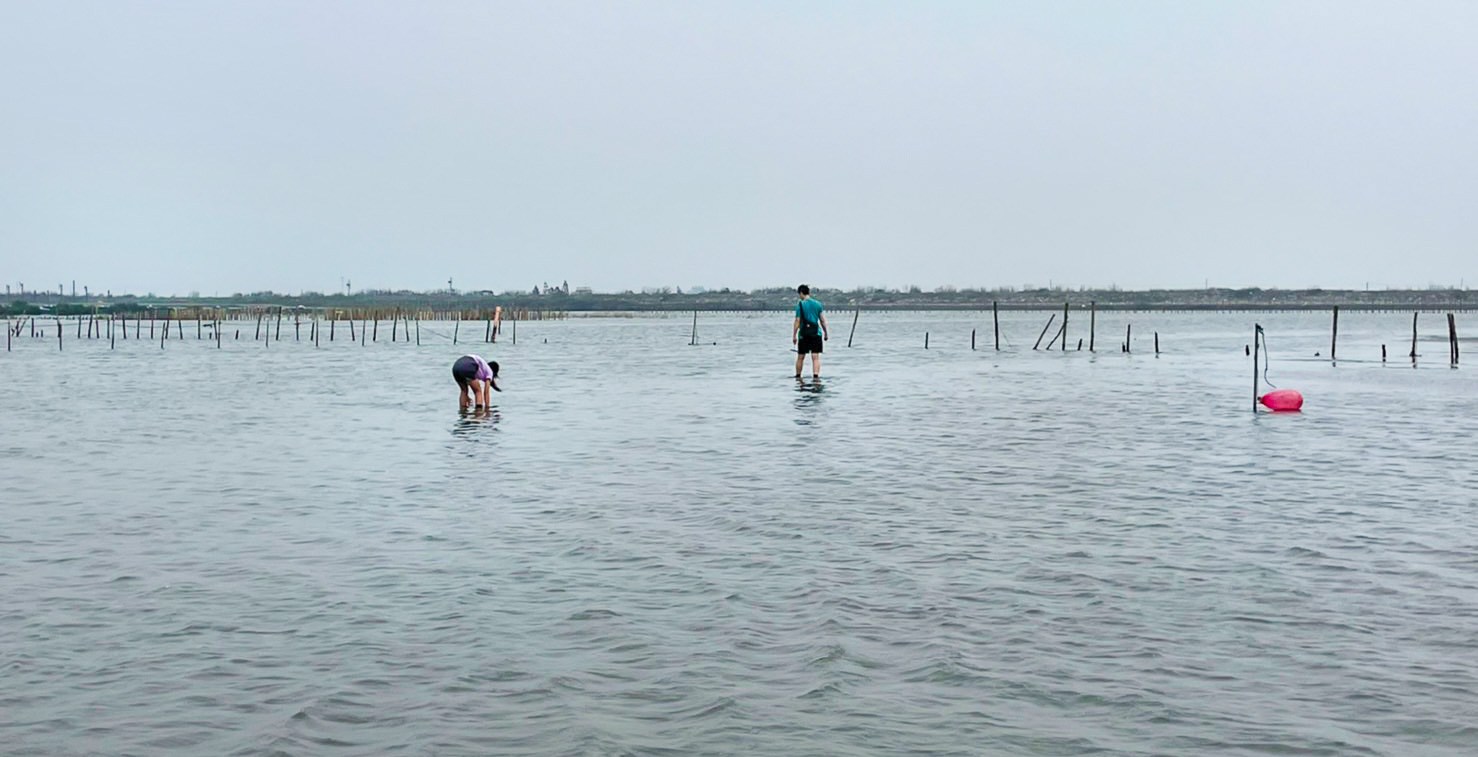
x=651, y=548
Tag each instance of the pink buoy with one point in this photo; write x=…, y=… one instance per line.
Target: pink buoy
x=1283, y=400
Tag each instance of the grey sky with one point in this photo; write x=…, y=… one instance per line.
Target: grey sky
x=286, y=145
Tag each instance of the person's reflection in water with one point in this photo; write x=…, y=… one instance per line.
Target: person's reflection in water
x=808, y=401
x=474, y=421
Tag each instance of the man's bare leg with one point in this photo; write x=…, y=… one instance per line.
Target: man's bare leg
x=815, y=365
x=800, y=360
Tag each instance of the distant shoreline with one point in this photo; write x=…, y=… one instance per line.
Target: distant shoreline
x=39, y=303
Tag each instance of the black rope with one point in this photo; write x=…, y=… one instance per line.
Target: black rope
x=1265, y=360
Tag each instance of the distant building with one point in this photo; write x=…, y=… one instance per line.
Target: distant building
x=583, y=290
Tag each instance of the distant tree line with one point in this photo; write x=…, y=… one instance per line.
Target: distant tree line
x=561, y=298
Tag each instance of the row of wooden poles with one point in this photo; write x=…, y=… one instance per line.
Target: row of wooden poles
x=369, y=329
x=404, y=325
x=1452, y=345
x=1060, y=334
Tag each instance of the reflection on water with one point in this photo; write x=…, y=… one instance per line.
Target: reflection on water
x=991, y=552
x=808, y=400
x=473, y=421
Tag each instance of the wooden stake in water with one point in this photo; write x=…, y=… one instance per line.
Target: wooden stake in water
x=1334, y=333
x=1061, y=332
x=1092, y=323
x=855, y=315
x=1044, y=331
x=995, y=318
x=58, y=335
x=693, y=340
x=1157, y=342
x=1256, y=345
x=1452, y=338
x=258, y=335
x=1064, y=327
x=972, y=340
x=926, y=340
x=1413, y=338
x=457, y=327
x=1383, y=353
x=418, y=330
x=180, y=329
x=1128, y=328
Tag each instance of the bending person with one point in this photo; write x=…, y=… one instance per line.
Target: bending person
x=474, y=375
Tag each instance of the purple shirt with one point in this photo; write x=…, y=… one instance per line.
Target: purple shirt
x=484, y=371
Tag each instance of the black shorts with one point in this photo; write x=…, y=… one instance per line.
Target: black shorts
x=809, y=344
x=464, y=370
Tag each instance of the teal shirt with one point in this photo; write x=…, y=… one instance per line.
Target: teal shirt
x=809, y=309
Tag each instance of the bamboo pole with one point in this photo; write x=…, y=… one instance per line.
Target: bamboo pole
x=1256, y=345
x=1413, y=338
x=58, y=335
x=1044, y=331
x=279, y=323
x=418, y=330
x=972, y=340
x=926, y=340
x=1452, y=338
x=1128, y=328
x=1064, y=327
x=693, y=340
x=1092, y=323
x=1334, y=334
x=258, y=335
x=995, y=317
x=1061, y=332
x=179, y=328
x=855, y=315
x=1157, y=342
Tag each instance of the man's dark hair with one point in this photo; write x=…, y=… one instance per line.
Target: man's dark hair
x=803, y=289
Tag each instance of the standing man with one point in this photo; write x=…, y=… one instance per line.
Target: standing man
x=808, y=331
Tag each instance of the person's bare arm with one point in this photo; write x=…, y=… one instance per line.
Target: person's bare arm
x=825, y=332
x=795, y=328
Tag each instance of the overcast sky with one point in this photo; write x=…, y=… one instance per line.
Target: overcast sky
x=289, y=144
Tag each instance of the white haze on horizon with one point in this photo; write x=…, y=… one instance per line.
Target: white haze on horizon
x=173, y=146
